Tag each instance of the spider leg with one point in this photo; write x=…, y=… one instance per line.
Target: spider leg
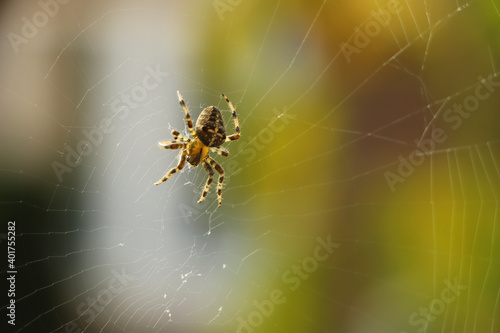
x=172, y=144
x=178, y=135
x=189, y=122
x=219, y=150
x=236, y=122
x=180, y=165
x=219, y=169
x=209, y=180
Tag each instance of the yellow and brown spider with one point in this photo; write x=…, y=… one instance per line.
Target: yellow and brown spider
x=208, y=134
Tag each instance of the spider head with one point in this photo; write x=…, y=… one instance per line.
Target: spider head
x=197, y=152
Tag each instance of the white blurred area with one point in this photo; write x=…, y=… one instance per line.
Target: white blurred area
x=64, y=65
x=110, y=69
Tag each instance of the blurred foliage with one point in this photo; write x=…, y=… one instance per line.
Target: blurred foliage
x=323, y=174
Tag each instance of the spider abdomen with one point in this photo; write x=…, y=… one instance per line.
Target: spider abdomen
x=210, y=128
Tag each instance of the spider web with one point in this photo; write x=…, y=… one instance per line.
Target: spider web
x=362, y=196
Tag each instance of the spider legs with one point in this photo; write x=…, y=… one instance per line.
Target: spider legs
x=208, y=164
x=235, y=119
x=182, y=162
x=210, y=171
x=178, y=135
x=172, y=144
x=219, y=150
x=189, y=122
x=221, y=178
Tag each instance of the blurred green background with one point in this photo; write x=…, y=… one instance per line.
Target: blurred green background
x=338, y=101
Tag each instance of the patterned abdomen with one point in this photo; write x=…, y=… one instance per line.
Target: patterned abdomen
x=210, y=128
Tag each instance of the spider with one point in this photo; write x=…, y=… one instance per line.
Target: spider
x=208, y=134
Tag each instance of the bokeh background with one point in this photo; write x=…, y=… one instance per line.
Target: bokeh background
x=337, y=102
